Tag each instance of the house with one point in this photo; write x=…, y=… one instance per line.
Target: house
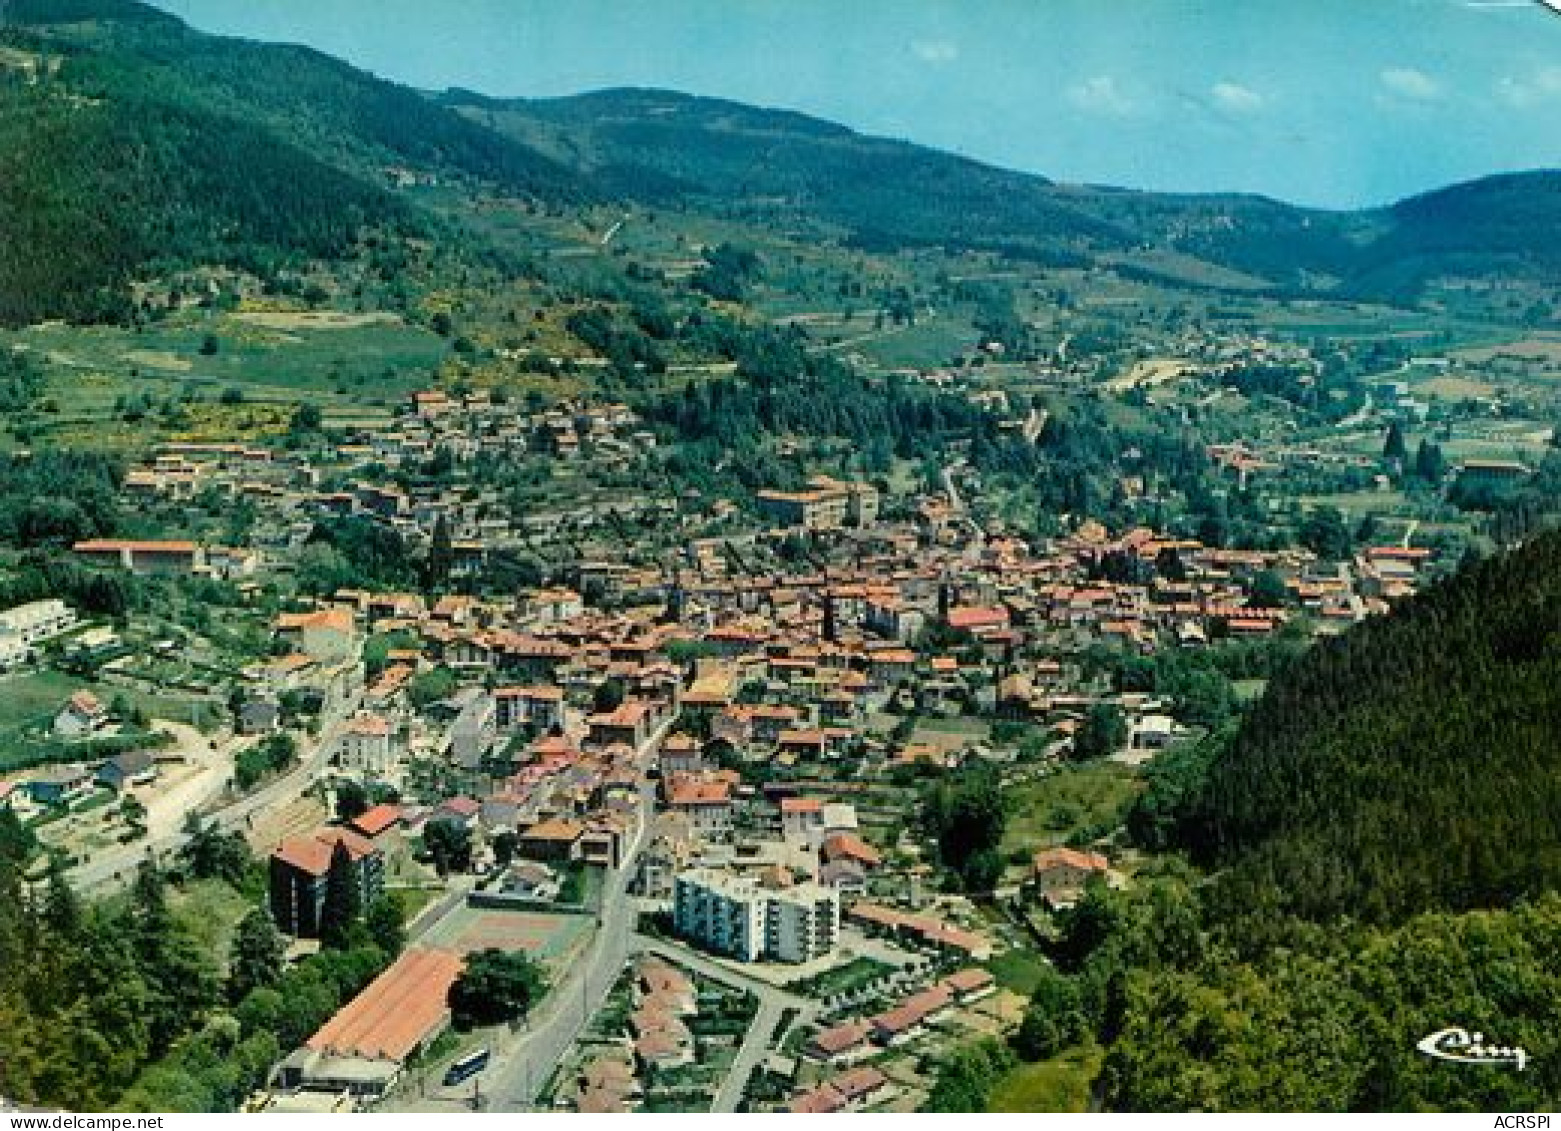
x=378, y=821
x=540, y=707
x=801, y=816
x=706, y=800
x=1061, y=873
x=971, y=985
x=552, y=840
x=630, y=724
x=533, y=880
x=367, y=744
x=299, y=872
x=134, y=767
x=845, y=846
x=860, y=1087
x=327, y=635
x=82, y=715
x=841, y=1044
x=259, y=716
x=463, y=811
x=59, y=785
x=680, y=754
x=1152, y=732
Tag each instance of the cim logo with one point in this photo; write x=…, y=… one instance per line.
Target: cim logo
x=1461, y=1047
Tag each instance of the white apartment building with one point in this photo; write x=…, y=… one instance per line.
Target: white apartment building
x=801, y=923
x=736, y=916
x=37, y=620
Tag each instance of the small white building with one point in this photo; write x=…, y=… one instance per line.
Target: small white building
x=367, y=744
x=27, y=625
x=37, y=620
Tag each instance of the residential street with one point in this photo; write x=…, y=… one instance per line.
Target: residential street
x=167, y=836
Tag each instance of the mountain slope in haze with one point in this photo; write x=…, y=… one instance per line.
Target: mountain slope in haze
x=707, y=152
x=135, y=144
x=710, y=153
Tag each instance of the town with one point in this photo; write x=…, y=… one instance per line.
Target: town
x=969, y=562
x=686, y=789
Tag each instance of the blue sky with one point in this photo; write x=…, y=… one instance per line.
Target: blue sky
x=1336, y=103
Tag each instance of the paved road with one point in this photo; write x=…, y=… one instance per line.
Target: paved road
x=112, y=868
x=755, y=1047
x=519, y=1072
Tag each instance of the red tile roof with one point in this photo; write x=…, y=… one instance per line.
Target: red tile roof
x=374, y=821
x=402, y=1008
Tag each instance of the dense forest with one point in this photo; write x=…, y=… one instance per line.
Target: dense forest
x=1406, y=766
x=137, y=146
x=119, y=1005
x=1380, y=839
x=107, y=182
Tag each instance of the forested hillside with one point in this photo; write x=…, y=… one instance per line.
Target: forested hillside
x=1382, y=840
x=107, y=182
x=1408, y=765
x=134, y=145
x=729, y=157
x=661, y=145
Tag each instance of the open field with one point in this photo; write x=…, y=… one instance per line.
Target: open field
x=1049, y=809
x=1059, y=1084
x=29, y=701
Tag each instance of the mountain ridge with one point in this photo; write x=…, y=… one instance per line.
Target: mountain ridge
x=324, y=131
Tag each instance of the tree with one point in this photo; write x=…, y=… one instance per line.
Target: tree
x=352, y=800
x=505, y=845
x=494, y=987
x=306, y=418
x=441, y=552
x=450, y=844
x=1268, y=590
x=966, y=817
x=61, y=905
x=1325, y=533
x=1393, y=447
x=1053, y=1020
x=966, y=1079
x=1430, y=463
x=1103, y=732
x=210, y=345
x=17, y=841
x=343, y=902
x=385, y=922
x=431, y=686
x=1168, y=563
x=257, y=955
x=608, y=696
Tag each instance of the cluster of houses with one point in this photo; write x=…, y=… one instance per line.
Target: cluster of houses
x=663, y=999
x=845, y=1044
